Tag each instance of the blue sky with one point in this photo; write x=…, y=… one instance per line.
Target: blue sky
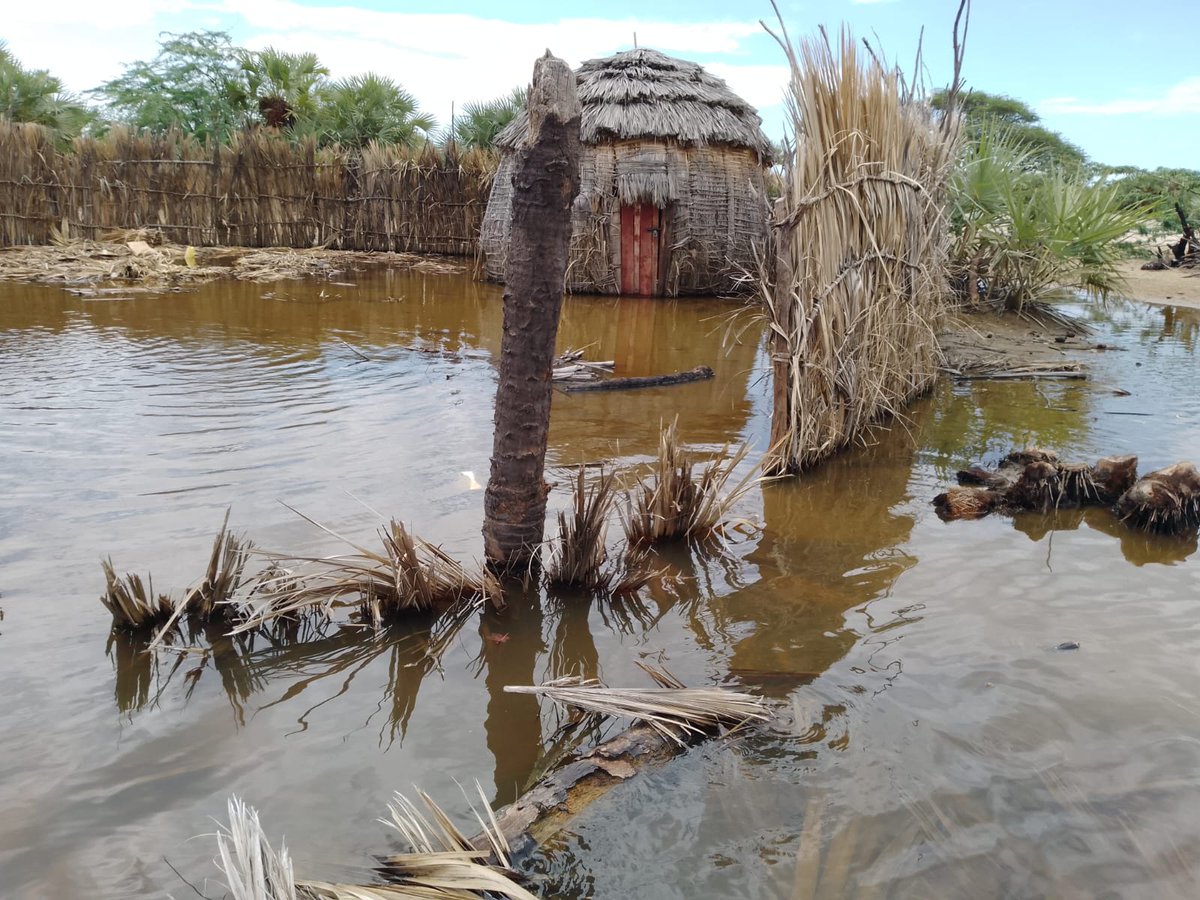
x=1116, y=78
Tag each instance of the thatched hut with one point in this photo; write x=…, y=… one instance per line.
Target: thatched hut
x=671, y=198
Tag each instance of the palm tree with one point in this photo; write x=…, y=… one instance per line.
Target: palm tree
x=364, y=108
x=34, y=95
x=1019, y=231
x=284, y=86
x=479, y=123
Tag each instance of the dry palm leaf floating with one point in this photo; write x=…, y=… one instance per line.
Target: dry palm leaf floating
x=671, y=709
x=443, y=865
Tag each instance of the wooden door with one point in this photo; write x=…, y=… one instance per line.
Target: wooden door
x=641, y=224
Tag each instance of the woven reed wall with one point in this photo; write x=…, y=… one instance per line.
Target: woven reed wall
x=257, y=191
x=714, y=195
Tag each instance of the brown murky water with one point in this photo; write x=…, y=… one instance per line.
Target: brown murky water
x=929, y=739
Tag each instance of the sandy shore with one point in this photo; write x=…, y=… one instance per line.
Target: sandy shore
x=1173, y=287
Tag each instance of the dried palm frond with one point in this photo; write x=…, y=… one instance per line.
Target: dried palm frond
x=578, y=554
x=256, y=871
x=408, y=574
x=443, y=857
x=677, y=504
x=226, y=565
x=132, y=602
x=671, y=710
x=212, y=599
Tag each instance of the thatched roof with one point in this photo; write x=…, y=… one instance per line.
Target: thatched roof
x=647, y=94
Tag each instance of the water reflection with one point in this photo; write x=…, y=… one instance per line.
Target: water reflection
x=929, y=741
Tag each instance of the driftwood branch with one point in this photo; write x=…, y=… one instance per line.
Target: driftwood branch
x=700, y=373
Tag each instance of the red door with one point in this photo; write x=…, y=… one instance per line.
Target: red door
x=640, y=224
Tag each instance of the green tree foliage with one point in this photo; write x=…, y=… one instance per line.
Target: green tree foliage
x=193, y=84
x=34, y=95
x=1160, y=190
x=285, y=88
x=363, y=108
x=479, y=123
x=982, y=112
x=1020, y=231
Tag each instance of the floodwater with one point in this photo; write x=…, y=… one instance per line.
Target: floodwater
x=928, y=738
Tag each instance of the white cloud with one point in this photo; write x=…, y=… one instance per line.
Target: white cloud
x=445, y=59
x=1178, y=100
x=441, y=58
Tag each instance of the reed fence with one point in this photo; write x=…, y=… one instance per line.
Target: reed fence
x=857, y=286
x=259, y=190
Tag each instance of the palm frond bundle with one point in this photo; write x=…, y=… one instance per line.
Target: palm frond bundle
x=254, y=870
x=408, y=574
x=677, y=504
x=579, y=556
x=672, y=710
x=132, y=602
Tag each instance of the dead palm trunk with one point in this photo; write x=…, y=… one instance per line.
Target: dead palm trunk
x=546, y=181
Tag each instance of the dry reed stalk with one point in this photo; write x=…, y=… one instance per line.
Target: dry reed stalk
x=679, y=505
x=670, y=709
x=133, y=604
x=857, y=285
x=408, y=574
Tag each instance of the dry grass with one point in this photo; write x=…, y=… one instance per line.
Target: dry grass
x=408, y=574
x=857, y=284
x=132, y=602
x=671, y=709
x=677, y=504
x=254, y=870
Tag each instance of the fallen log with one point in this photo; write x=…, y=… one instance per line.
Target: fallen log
x=670, y=718
x=700, y=373
x=555, y=801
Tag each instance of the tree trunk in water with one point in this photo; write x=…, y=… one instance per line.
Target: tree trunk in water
x=546, y=181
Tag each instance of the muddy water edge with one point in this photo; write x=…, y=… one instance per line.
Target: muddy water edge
x=929, y=740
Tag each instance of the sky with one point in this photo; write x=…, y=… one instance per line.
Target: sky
x=1115, y=78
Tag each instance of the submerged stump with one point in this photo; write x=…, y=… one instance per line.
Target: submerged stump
x=1167, y=500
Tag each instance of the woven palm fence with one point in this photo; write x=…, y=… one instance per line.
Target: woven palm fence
x=856, y=286
x=259, y=190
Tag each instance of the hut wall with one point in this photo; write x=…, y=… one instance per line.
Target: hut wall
x=714, y=195
x=256, y=191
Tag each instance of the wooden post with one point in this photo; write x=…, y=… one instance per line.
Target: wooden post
x=546, y=180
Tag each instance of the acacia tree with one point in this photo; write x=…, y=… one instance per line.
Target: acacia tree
x=363, y=108
x=193, y=84
x=983, y=112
